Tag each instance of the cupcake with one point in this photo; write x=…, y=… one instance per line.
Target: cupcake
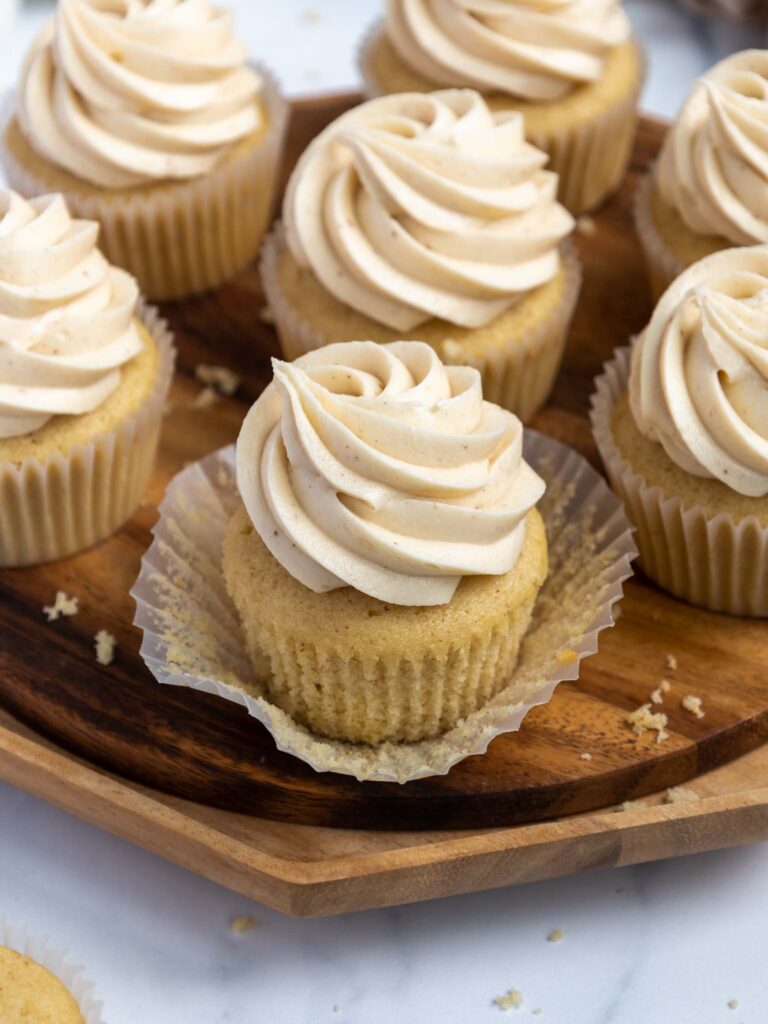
x=708, y=190
x=429, y=217
x=683, y=431
x=387, y=553
x=29, y=994
x=84, y=372
x=571, y=69
x=147, y=119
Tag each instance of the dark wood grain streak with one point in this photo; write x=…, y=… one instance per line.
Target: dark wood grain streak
x=208, y=750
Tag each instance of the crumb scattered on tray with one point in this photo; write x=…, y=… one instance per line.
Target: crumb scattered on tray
x=679, y=795
x=644, y=720
x=733, y=1004
x=556, y=935
x=671, y=662
x=220, y=378
x=511, y=1000
x=537, y=1011
x=693, y=704
x=105, y=647
x=633, y=805
x=204, y=399
x=657, y=697
x=567, y=656
x=586, y=226
x=62, y=605
x=586, y=756
x=242, y=924
x=266, y=316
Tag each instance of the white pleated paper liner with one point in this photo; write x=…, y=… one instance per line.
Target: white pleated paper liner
x=192, y=635
x=36, y=947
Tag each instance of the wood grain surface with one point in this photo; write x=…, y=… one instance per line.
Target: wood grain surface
x=208, y=750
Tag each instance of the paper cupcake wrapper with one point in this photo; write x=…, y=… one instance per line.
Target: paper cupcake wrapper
x=184, y=237
x=36, y=947
x=591, y=159
x=518, y=377
x=67, y=503
x=709, y=561
x=198, y=642
x=661, y=264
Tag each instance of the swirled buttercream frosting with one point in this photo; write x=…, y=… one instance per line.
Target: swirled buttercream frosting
x=66, y=316
x=530, y=49
x=423, y=205
x=699, y=376
x=379, y=468
x=713, y=167
x=127, y=92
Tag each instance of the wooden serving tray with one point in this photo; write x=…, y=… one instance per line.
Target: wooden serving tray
x=207, y=750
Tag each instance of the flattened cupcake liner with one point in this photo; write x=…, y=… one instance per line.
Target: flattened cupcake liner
x=175, y=238
x=590, y=159
x=192, y=635
x=709, y=561
x=518, y=376
x=67, y=503
x=36, y=947
x=661, y=264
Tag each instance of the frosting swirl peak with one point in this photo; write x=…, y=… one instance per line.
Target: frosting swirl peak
x=425, y=205
x=699, y=378
x=66, y=316
x=135, y=91
x=713, y=167
x=531, y=49
x=377, y=467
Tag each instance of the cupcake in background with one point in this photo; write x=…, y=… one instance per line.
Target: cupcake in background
x=572, y=69
x=149, y=120
x=84, y=372
x=429, y=217
x=387, y=554
x=682, y=428
x=709, y=188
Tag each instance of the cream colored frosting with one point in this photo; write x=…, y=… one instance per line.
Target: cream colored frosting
x=713, y=167
x=424, y=205
x=699, y=378
x=67, y=320
x=531, y=49
x=135, y=91
x=376, y=467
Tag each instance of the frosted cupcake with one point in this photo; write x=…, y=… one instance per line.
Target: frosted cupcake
x=83, y=376
x=683, y=432
x=427, y=216
x=570, y=68
x=148, y=119
x=708, y=190
x=388, y=553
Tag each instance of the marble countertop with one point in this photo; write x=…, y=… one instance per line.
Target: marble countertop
x=671, y=943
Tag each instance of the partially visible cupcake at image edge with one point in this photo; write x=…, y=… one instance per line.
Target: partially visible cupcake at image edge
x=709, y=189
x=149, y=120
x=84, y=372
x=572, y=69
x=682, y=428
x=429, y=217
x=388, y=553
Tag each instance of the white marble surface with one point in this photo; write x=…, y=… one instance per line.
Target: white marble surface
x=667, y=943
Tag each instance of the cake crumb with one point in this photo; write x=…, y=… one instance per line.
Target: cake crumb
x=586, y=226
x=266, y=316
x=567, y=656
x=733, y=1004
x=220, y=378
x=105, y=647
x=632, y=805
x=586, y=756
x=511, y=1000
x=679, y=795
x=556, y=935
x=671, y=662
x=537, y=1011
x=242, y=924
x=644, y=720
x=693, y=704
x=657, y=696
x=62, y=605
x=204, y=399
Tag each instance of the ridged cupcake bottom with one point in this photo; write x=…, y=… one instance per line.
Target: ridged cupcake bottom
x=711, y=561
x=518, y=373
x=349, y=667
x=68, y=502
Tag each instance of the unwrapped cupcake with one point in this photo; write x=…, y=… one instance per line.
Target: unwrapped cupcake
x=683, y=432
x=84, y=372
x=387, y=554
x=571, y=69
x=709, y=189
x=428, y=216
x=148, y=119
